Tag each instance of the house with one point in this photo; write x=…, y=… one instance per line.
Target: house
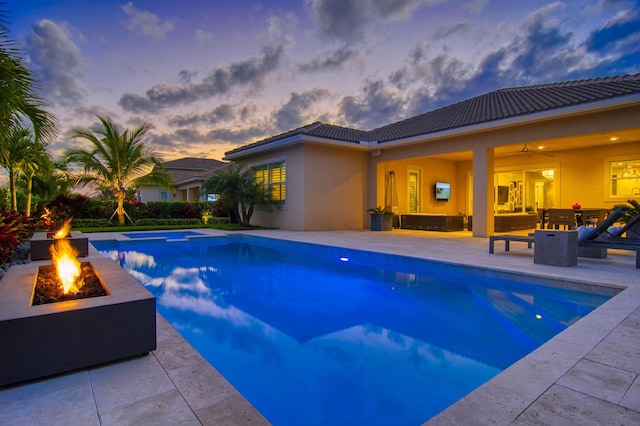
x=188, y=175
x=505, y=155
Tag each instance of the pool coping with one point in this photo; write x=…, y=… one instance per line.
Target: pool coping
x=519, y=395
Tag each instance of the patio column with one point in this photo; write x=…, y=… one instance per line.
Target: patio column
x=483, y=192
x=371, y=198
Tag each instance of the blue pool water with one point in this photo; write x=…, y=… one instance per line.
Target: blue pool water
x=169, y=235
x=320, y=335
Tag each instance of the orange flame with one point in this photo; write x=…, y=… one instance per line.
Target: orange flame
x=64, y=258
x=64, y=230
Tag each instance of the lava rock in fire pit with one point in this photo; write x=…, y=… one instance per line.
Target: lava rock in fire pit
x=49, y=290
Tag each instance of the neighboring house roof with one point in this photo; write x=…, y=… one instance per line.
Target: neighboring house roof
x=492, y=106
x=189, y=169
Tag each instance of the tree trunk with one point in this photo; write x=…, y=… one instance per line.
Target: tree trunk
x=12, y=189
x=29, y=188
x=120, y=209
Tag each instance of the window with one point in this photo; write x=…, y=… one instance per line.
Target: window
x=164, y=196
x=624, y=178
x=525, y=191
x=274, y=178
x=414, y=191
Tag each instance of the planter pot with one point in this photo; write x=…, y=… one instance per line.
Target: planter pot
x=381, y=222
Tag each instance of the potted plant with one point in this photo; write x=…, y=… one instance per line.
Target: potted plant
x=633, y=211
x=381, y=219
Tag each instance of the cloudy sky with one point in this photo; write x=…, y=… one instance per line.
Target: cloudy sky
x=214, y=75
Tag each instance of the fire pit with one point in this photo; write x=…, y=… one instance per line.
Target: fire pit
x=45, y=339
x=41, y=242
x=49, y=289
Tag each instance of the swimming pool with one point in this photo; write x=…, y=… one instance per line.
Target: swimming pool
x=168, y=235
x=312, y=334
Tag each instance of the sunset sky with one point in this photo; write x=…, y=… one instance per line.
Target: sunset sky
x=214, y=75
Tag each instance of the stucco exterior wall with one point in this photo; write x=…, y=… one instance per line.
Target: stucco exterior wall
x=335, y=188
x=431, y=170
x=326, y=188
x=291, y=214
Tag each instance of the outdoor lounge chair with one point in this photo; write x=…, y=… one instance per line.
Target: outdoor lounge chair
x=612, y=239
x=595, y=237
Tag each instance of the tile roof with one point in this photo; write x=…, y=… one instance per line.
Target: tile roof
x=192, y=163
x=497, y=105
x=184, y=169
x=510, y=102
x=317, y=129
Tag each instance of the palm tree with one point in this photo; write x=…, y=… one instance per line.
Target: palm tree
x=19, y=99
x=32, y=157
x=239, y=192
x=51, y=179
x=118, y=160
x=12, y=151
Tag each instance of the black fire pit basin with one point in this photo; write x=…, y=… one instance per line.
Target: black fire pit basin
x=40, y=243
x=43, y=340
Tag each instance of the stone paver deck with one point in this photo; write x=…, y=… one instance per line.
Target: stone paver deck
x=587, y=375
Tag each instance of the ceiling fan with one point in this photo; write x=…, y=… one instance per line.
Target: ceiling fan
x=526, y=151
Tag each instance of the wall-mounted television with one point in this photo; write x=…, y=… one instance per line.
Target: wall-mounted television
x=442, y=190
x=503, y=194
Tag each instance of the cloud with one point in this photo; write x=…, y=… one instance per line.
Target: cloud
x=222, y=113
x=279, y=27
x=447, y=31
x=296, y=111
x=146, y=23
x=348, y=20
x=378, y=105
x=58, y=62
x=185, y=76
x=204, y=38
x=332, y=61
x=540, y=50
x=475, y=6
x=240, y=136
x=545, y=51
x=625, y=26
x=251, y=72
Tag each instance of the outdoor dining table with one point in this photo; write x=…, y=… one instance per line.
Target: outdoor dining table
x=583, y=216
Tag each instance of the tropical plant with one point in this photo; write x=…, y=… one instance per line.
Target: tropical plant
x=62, y=208
x=239, y=192
x=12, y=152
x=14, y=228
x=34, y=155
x=50, y=179
x=118, y=159
x=633, y=211
x=380, y=211
x=17, y=91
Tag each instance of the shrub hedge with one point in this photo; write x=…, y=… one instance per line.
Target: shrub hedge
x=81, y=208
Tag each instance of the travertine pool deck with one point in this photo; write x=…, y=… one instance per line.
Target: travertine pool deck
x=587, y=375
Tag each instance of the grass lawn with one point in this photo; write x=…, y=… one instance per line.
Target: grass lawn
x=129, y=228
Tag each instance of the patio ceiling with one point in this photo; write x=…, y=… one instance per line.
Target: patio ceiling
x=551, y=145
